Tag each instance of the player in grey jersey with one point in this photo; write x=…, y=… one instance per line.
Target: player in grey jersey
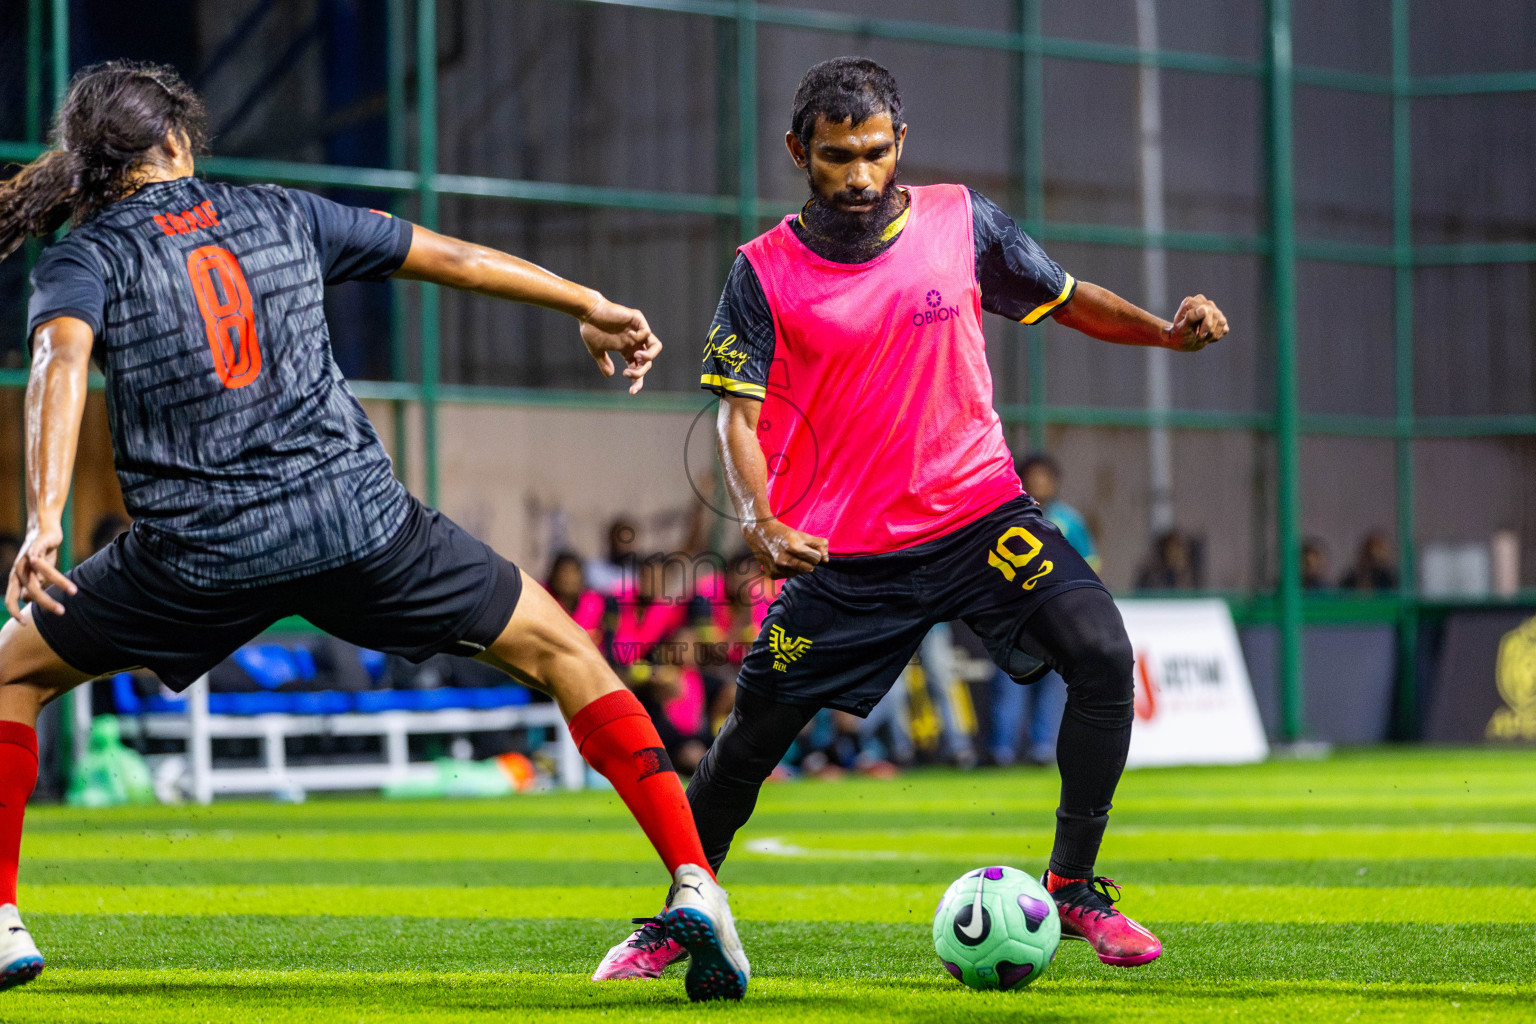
x=258, y=487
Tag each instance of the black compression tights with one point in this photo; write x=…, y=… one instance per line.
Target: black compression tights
x=1078, y=633
x=723, y=791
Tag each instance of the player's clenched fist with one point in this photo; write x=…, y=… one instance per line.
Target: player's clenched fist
x=610, y=327
x=1197, y=323
x=783, y=551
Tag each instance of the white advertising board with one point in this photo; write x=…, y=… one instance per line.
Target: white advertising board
x=1194, y=703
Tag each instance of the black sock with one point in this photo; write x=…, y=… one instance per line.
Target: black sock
x=1079, y=633
x=1091, y=760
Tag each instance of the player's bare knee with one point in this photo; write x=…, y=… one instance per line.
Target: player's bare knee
x=23, y=693
x=16, y=670
x=564, y=657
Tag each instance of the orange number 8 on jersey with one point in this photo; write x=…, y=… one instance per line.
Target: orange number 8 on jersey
x=225, y=302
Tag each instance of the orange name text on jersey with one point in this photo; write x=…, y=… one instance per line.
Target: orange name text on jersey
x=200, y=216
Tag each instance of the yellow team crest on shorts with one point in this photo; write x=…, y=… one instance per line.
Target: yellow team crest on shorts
x=1516, y=677
x=785, y=648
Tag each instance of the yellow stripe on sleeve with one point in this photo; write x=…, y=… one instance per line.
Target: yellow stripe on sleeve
x=740, y=387
x=1040, y=311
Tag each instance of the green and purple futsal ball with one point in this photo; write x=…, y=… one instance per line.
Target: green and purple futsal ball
x=996, y=928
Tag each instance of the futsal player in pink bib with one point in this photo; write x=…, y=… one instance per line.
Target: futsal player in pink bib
x=868, y=466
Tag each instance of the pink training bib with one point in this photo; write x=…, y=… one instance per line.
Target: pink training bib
x=878, y=424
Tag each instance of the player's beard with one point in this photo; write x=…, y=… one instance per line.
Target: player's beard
x=847, y=236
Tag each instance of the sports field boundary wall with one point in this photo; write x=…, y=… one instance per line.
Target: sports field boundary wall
x=1415, y=85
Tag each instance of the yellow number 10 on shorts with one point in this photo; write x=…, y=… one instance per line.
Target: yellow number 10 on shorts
x=1011, y=563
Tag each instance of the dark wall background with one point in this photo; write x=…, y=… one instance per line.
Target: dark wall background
x=613, y=96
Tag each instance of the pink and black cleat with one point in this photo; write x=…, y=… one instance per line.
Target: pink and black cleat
x=645, y=954
x=1087, y=913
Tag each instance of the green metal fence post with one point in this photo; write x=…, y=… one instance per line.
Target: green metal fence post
x=742, y=211
x=746, y=104
x=426, y=117
x=399, y=62
x=727, y=141
x=34, y=100
x=60, y=12
x=60, y=87
x=34, y=133
x=1402, y=317
x=1033, y=97
x=67, y=740
x=1283, y=286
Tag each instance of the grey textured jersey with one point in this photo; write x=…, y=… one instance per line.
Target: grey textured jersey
x=243, y=456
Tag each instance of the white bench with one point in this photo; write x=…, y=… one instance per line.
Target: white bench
x=197, y=729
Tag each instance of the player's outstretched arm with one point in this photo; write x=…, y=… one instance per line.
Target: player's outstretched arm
x=780, y=549
x=61, y=361
x=1100, y=313
x=606, y=327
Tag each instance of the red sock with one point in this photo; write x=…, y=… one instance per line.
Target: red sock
x=18, y=776
x=617, y=738
x=1053, y=881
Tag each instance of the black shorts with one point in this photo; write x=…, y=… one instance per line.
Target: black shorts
x=839, y=636
x=433, y=589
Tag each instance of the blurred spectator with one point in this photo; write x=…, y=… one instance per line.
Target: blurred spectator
x=887, y=733
x=949, y=697
x=1373, y=570
x=1042, y=702
x=1172, y=565
x=750, y=592
x=649, y=637
x=10, y=547
x=690, y=647
x=731, y=608
x=702, y=519
x=687, y=680
x=1042, y=479
x=644, y=616
x=567, y=583
x=606, y=575
x=1314, y=564
x=832, y=744
x=677, y=697
x=108, y=528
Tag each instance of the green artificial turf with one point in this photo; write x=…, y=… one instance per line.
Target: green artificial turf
x=1382, y=885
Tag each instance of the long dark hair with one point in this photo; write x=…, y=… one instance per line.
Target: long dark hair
x=114, y=115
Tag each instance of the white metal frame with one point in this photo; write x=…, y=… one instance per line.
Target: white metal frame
x=198, y=728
